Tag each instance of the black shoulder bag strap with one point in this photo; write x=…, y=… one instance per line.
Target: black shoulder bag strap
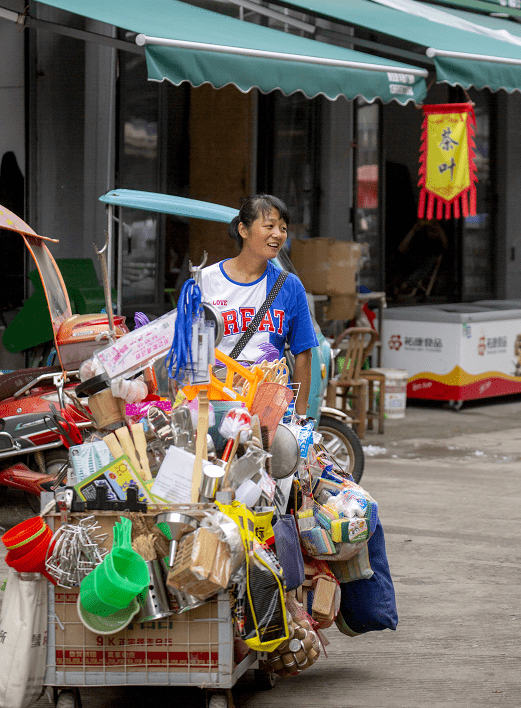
x=252, y=327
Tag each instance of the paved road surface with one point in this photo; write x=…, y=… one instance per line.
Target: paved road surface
x=449, y=496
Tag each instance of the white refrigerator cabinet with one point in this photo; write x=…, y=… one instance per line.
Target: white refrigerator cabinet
x=455, y=352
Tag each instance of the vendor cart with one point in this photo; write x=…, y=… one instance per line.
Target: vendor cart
x=196, y=648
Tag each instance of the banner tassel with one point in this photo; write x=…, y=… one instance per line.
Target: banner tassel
x=430, y=206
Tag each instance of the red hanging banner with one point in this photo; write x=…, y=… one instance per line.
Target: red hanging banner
x=447, y=170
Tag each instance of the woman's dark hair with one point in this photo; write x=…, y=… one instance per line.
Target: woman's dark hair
x=252, y=208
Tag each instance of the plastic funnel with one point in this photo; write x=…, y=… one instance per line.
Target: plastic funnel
x=121, y=576
x=118, y=579
x=123, y=571
x=175, y=525
x=112, y=623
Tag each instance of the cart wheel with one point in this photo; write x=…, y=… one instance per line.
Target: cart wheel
x=66, y=699
x=218, y=700
x=455, y=405
x=264, y=679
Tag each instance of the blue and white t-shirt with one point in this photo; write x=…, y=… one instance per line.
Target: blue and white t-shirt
x=288, y=318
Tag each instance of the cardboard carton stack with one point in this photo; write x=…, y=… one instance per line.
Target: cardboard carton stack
x=328, y=266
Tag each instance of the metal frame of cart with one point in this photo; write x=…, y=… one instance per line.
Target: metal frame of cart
x=136, y=655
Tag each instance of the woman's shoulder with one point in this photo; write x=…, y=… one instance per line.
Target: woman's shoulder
x=292, y=281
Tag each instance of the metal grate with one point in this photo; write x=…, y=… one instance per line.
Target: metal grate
x=195, y=648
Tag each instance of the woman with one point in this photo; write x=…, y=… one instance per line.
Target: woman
x=239, y=286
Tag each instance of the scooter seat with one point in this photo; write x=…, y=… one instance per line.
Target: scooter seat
x=13, y=381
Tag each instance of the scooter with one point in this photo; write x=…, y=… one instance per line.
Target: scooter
x=32, y=450
x=39, y=415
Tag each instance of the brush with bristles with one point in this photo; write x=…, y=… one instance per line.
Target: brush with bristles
x=145, y=546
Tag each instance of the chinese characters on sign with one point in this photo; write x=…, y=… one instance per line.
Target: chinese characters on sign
x=447, y=142
x=492, y=345
x=433, y=344
x=420, y=342
x=447, y=171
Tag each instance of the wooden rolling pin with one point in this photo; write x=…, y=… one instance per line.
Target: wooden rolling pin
x=201, y=450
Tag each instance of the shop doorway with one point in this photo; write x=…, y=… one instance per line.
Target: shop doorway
x=413, y=260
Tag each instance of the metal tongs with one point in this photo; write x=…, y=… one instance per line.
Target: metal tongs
x=75, y=552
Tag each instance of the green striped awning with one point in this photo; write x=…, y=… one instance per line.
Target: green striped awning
x=208, y=47
x=464, y=52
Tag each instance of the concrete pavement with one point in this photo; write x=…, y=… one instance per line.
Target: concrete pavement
x=448, y=485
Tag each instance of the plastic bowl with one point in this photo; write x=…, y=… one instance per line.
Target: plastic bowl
x=44, y=537
x=23, y=532
x=123, y=574
x=34, y=560
x=34, y=557
x=111, y=623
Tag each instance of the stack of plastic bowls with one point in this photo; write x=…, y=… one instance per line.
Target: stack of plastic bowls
x=116, y=581
x=28, y=544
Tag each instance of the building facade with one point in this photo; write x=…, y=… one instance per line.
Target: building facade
x=81, y=118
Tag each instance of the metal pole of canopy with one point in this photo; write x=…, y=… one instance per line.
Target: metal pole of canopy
x=110, y=254
x=432, y=52
x=143, y=39
x=120, y=263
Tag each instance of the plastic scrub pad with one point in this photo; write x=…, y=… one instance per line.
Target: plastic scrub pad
x=111, y=624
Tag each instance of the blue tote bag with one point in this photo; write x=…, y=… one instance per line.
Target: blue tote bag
x=287, y=544
x=369, y=605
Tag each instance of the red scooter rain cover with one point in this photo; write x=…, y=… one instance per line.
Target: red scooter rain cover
x=53, y=285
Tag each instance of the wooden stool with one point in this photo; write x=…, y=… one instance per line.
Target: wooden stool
x=372, y=414
x=352, y=385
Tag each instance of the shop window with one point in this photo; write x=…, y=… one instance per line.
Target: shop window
x=57, y=167
x=367, y=191
x=288, y=160
x=153, y=156
x=137, y=168
x=477, y=237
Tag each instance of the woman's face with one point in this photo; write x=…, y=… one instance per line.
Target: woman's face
x=266, y=236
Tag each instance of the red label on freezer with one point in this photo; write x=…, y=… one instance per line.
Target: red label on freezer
x=483, y=388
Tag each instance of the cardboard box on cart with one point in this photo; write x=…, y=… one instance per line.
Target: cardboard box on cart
x=179, y=643
x=328, y=266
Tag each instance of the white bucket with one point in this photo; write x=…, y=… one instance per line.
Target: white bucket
x=395, y=392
